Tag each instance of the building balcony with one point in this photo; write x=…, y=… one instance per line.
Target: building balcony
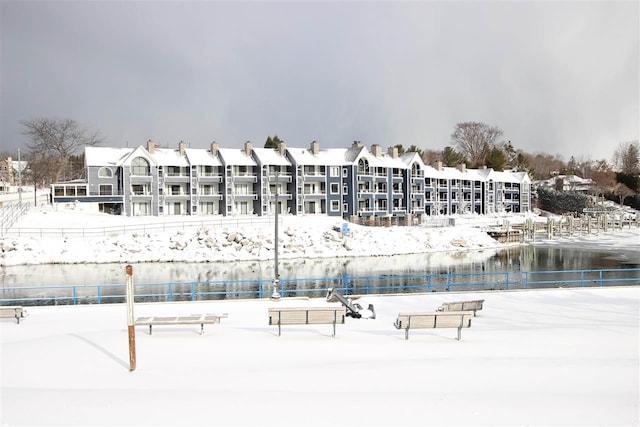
x=243, y=178
x=140, y=179
x=209, y=197
x=176, y=179
x=212, y=179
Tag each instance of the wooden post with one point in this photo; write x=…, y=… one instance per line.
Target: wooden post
x=130, y=323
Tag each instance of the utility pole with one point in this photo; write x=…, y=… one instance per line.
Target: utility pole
x=130, y=323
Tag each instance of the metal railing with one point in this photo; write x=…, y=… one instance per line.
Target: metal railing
x=136, y=228
x=317, y=287
x=10, y=213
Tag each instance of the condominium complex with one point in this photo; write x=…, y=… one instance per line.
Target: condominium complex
x=352, y=183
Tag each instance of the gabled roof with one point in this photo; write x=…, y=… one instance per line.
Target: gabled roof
x=383, y=160
x=411, y=157
x=105, y=156
x=139, y=151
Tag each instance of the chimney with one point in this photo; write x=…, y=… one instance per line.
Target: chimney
x=248, y=148
x=438, y=165
x=393, y=152
x=282, y=148
x=151, y=146
x=376, y=150
x=462, y=167
x=315, y=147
x=181, y=147
x=356, y=144
x=214, y=149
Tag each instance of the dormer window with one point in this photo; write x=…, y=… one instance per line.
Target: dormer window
x=105, y=173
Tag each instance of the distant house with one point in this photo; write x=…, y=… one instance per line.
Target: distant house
x=572, y=183
x=353, y=183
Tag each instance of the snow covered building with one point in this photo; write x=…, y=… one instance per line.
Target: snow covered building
x=353, y=183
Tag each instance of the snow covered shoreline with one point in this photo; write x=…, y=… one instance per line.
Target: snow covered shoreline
x=299, y=238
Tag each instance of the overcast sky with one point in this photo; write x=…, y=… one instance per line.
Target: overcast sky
x=557, y=77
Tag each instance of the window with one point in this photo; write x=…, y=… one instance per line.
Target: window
x=243, y=189
x=141, y=209
x=207, y=190
x=106, y=189
x=105, y=173
x=363, y=167
x=345, y=190
x=335, y=206
x=140, y=167
x=335, y=188
x=208, y=208
x=334, y=171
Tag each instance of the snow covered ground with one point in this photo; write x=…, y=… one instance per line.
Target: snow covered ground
x=565, y=357
x=299, y=237
x=538, y=357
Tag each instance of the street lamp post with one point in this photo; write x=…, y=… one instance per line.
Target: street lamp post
x=276, y=280
x=19, y=179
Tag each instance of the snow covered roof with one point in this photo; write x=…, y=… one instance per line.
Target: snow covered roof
x=271, y=156
x=412, y=157
x=105, y=156
x=199, y=156
x=325, y=157
x=505, y=177
x=169, y=157
x=236, y=157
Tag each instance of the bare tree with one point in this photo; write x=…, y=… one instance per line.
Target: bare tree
x=475, y=141
x=605, y=180
x=57, y=140
x=622, y=191
x=545, y=166
x=430, y=157
x=627, y=157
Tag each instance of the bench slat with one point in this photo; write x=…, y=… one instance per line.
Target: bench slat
x=16, y=311
x=194, y=319
x=307, y=316
x=448, y=319
x=474, y=306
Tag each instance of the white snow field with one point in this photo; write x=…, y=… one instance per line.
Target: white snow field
x=566, y=357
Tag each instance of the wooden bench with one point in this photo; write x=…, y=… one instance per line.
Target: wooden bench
x=8, y=311
x=462, y=306
x=307, y=316
x=441, y=319
x=193, y=319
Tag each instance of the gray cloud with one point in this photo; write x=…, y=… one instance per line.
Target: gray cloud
x=556, y=77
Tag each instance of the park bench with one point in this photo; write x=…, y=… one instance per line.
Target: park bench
x=440, y=319
x=8, y=311
x=307, y=316
x=462, y=306
x=193, y=319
